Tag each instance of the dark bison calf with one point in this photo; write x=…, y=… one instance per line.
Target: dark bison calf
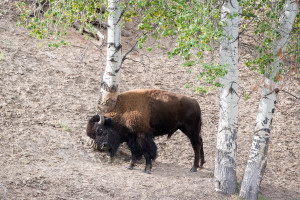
x=139, y=116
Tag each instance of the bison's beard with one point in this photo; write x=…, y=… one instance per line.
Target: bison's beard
x=110, y=139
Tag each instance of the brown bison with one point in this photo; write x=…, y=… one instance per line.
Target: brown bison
x=141, y=115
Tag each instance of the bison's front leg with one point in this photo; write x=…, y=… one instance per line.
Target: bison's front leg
x=132, y=162
x=148, y=163
x=136, y=151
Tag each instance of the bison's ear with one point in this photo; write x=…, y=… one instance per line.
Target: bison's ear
x=107, y=120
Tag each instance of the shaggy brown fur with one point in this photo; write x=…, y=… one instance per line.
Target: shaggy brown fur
x=140, y=115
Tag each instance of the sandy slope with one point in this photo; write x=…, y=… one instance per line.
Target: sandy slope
x=47, y=95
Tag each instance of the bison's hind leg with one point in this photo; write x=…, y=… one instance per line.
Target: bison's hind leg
x=196, y=147
x=197, y=144
x=199, y=153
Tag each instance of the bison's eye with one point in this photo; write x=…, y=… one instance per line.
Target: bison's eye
x=100, y=131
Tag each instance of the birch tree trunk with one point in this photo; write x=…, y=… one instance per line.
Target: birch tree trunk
x=257, y=160
x=109, y=89
x=225, y=158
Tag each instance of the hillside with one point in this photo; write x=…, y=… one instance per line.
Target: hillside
x=47, y=95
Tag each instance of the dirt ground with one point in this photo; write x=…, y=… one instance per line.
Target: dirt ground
x=47, y=96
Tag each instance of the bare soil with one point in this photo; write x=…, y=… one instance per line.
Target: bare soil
x=47, y=96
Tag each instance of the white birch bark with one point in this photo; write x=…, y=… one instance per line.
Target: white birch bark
x=110, y=81
x=257, y=160
x=225, y=158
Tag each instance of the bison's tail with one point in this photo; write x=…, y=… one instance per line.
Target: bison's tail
x=200, y=125
x=199, y=117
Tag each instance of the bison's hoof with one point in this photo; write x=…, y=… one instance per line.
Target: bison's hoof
x=194, y=169
x=147, y=171
x=129, y=168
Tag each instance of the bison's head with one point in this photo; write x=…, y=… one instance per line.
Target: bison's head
x=105, y=134
x=108, y=138
x=92, y=125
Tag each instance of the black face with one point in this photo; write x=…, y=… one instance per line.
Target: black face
x=92, y=126
x=108, y=139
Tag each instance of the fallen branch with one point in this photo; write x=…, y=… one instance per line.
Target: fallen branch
x=97, y=22
x=290, y=94
x=84, y=52
x=77, y=46
x=96, y=33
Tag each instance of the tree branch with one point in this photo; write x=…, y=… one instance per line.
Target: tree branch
x=128, y=52
x=290, y=94
x=97, y=33
x=132, y=48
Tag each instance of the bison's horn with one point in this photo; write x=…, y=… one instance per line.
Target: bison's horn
x=101, y=122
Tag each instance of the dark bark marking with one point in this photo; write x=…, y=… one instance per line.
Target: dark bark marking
x=117, y=70
x=266, y=120
x=262, y=172
x=110, y=74
x=263, y=129
x=121, y=15
x=257, y=144
x=111, y=89
x=229, y=145
x=109, y=102
x=234, y=135
x=231, y=90
x=225, y=129
x=116, y=47
x=273, y=110
x=112, y=59
x=224, y=154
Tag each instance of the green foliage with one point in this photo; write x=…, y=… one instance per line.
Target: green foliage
x=64, y=126
x=195, y=25
x=2, y=55
x=52, y=18
x=198, y=29
x=187, y=85
x=201, y=89
x=261, y=18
